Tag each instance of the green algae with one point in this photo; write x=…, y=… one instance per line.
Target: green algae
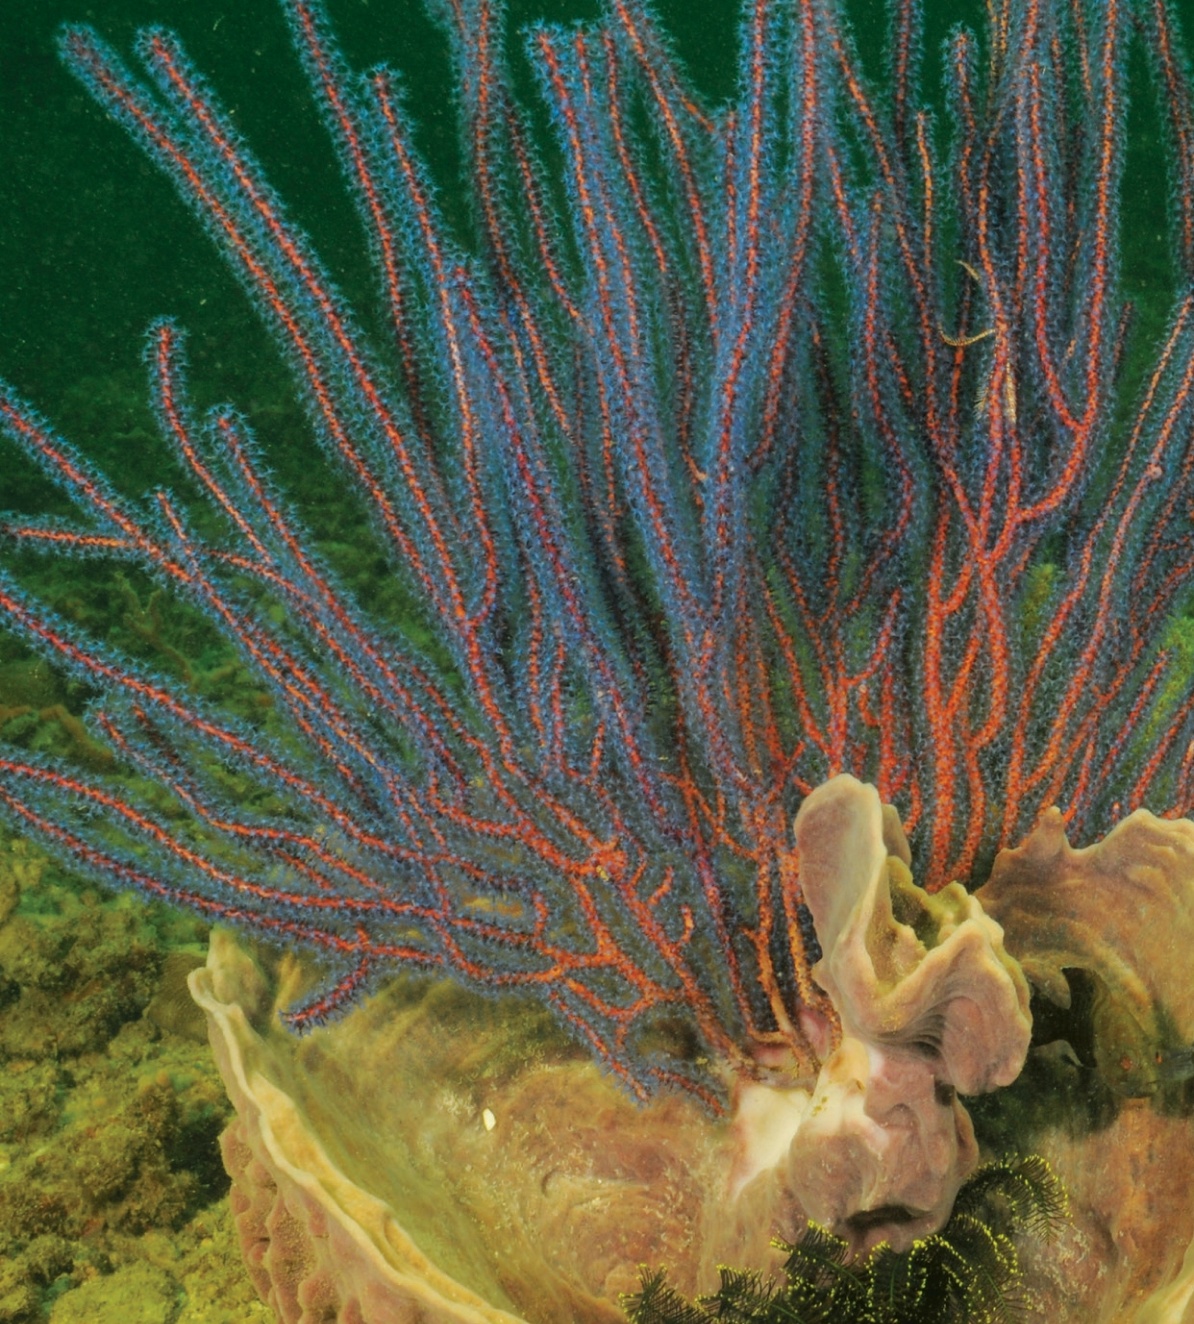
x=113, y=1198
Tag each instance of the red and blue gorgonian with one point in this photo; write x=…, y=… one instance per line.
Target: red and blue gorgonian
x=738, y=446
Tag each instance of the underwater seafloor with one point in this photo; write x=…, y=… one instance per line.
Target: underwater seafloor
x=113, y=1199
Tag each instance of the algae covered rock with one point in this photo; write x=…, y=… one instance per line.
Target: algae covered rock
x=110, y=1175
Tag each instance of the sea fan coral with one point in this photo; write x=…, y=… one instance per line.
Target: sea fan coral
x=737, y=446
